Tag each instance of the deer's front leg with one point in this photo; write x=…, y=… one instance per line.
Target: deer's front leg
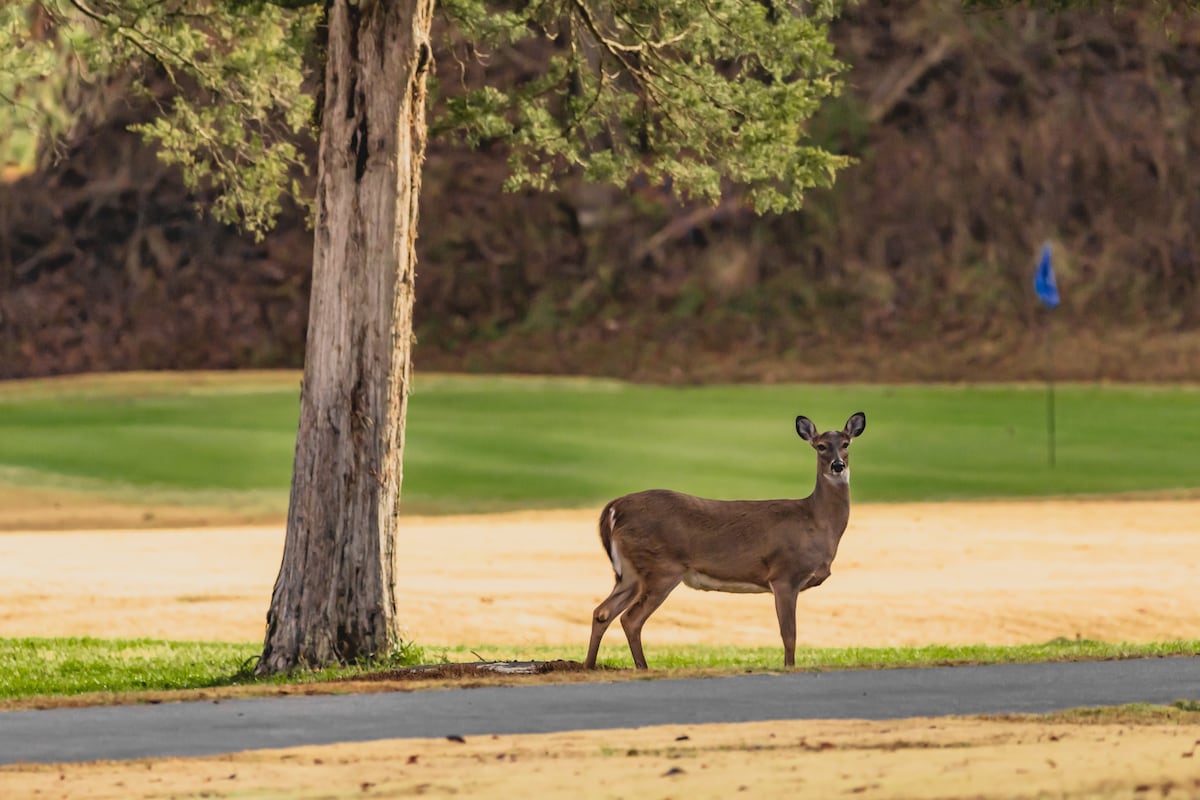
x=785, y=609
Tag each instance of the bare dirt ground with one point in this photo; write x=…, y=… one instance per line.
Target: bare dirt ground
x=906, y=574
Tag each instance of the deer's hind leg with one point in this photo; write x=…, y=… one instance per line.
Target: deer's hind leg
x=612, y=606
x=653, y=593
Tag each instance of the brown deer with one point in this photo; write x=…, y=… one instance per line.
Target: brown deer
x=657, y=538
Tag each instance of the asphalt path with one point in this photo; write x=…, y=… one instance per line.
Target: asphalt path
x=210, y=727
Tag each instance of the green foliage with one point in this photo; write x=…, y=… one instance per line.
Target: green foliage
x=490, y=443
x=239, y=130
x=238, y=109
x=28, y=88
x=698, y=96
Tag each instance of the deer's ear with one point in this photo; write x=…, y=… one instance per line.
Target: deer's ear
x=856, y=424
x=806, y=429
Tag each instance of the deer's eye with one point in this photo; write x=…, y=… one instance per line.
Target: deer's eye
x=821, y=447
x=845, y=445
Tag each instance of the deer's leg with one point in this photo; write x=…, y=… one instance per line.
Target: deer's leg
x=612, y=606
x=785, y=610
x=651, y=596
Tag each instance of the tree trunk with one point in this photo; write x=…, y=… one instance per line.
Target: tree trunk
x=334, y=599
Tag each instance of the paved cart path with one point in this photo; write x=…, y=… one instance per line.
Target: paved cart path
x=201, y=728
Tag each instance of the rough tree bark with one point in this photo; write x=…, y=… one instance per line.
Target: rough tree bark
x=334, y=599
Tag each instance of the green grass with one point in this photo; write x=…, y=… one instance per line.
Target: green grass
x=77, y=666
x=1180, y=712
x=483, y=443
x=552, y=442
x=226, y=442
x=33, y=667
x=486, y=443
x=40, y=667
x=704, y=657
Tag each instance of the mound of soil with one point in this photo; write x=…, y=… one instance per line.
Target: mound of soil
x=428, y=672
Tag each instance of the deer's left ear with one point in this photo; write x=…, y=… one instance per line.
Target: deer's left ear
x=856, y=424
x=806, y=429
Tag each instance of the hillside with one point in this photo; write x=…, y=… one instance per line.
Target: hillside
x=979, y=136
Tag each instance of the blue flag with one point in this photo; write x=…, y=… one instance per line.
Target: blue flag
x=1043, y=279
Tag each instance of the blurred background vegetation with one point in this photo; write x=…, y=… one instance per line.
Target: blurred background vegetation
x=979, y=135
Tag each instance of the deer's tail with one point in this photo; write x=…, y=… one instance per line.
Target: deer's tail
x=608, y=523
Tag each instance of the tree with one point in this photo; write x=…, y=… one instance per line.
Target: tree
x=334, y=599
x=706, y=96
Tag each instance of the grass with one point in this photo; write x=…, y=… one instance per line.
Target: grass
x=208, y=440
x=704, y=657
x=37, y=667
x=64, y=667
x=494, y=443
x=1181, y=712
x=104, y=669
x=488, y=443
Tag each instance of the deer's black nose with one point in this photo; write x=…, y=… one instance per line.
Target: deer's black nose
x=837, y=467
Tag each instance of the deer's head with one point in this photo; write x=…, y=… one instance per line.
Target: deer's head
x=833, y=447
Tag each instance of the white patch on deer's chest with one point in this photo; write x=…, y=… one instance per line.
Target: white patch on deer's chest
x=707, y=583
x=839, y=479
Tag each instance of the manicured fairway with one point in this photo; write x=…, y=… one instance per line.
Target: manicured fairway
x=485, y=443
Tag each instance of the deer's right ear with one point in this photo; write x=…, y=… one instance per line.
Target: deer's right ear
x=856, y=424
x=806, y=429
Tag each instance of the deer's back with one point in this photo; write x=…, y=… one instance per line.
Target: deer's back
x=726, y=539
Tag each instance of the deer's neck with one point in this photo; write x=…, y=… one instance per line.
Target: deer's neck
x=830, y=503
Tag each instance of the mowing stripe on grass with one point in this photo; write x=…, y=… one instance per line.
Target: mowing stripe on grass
x=494, y=443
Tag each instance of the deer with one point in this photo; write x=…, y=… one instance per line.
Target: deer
x=658, y=538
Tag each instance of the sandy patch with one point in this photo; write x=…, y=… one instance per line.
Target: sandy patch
x=906, y=574
x=916, y=758
x=40, y=509
x=999, y=573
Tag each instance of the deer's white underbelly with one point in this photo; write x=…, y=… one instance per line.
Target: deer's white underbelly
x=707, y=583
